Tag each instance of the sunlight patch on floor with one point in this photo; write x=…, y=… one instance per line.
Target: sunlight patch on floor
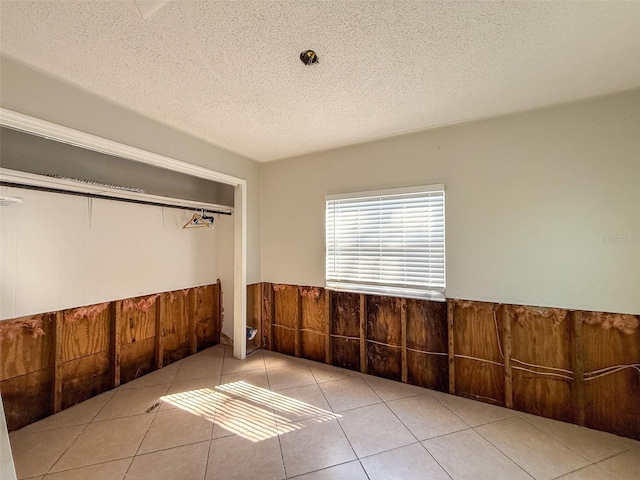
x=251, y=412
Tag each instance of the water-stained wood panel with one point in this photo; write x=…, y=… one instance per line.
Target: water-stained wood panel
x=384, y=336
x=254, y=314
x=384, y=361
x=286, y=318
x=478, y=362
x=137, y=359
x=26, y=345
x=524, y=357
x=206, y=328
x=541, y=361
x=268, y=315
x=428, y=365
x=612, y=395
x=85, y=377
x=313, y=323
x=85, y=331
x=218, y=311
x=27, y=398
x=175, y=325
x=345, y=330
x=138, y=317
x=53, y=361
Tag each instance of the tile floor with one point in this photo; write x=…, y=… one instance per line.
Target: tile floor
x=271, y=416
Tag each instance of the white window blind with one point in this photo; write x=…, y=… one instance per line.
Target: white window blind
x=388, y=242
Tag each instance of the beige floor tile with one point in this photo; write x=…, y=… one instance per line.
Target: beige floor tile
x=133, y=401
x=255, y=361
x=374, y=429
x=179, y=391
x=412, y=462
x=481, y=459
x=199, y=368
x=473, y=412
x=349, y=393
x=314, y=444
x=105, y=441
x=536, y=452
x=204, y=357
x=173, y=428
x=625, y=466
x=228, y=350
x=180, y=463
x=425, y=417
x=328, y=373
x=158, y=377
x=236, y=458
x=245, y=411
x=311, y=425
x=180, y=386
x=79, y=414
x=244, y=419
x=35, y=453
x=289, y=376
x=220, y=431
x=115, y=470
x=591, y=472
x=390, y=390
x=591, y=444
x=257, y=378
x=632, y=443
x=184, y=386
x=215, y=351
x=274, y=360
x=300, y=403
x=346, y=471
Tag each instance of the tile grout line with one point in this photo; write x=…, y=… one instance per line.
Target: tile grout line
x=342, y=429
x=427, y=392
x=115, y=391
x=595, y=464
x=83, y=466
x=568, y=447
x=504, y=453
x=206, y=467
x=627, y=447
x=275, y=419
x=417, y=439
x=155, y=413
x=306, y=363
x=474, y=429
x=321, y=470
x=81, y=432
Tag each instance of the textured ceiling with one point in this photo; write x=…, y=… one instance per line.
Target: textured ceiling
x=229, y=72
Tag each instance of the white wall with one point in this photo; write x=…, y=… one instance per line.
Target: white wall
x=32, y=92
x=59, y=251
x=27, y=90
x=225, y=225
x=530, y=200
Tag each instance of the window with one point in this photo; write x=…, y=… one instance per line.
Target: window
x=389, y=242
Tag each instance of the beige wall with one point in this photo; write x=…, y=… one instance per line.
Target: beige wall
x=530, y=200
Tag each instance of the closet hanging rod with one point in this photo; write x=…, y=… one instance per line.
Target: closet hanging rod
x=106, y=197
